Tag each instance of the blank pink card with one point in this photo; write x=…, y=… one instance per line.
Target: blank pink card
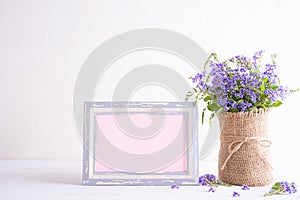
x=173, y=127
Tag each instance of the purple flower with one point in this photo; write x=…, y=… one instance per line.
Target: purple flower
x=245, y=187
x=288, y=187
x=258, y=55
x=211, y=189
x=239, y=84
x=199, y=79
x=174, y=186
x=243, y=106
x=283, y=92
x=236, y=194
x=211, y=180
x=207, y=179
x=271, y=94
x=282, y=187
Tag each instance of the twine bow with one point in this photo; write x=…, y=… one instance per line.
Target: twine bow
x=239, y=141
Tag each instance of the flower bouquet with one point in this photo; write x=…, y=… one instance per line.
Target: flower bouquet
x=240, y=91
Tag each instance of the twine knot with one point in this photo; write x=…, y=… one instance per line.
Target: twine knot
x=238, y=143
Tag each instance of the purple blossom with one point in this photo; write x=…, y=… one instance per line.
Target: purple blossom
x=174, y=186
x=271, y=94
x=245, y=187
x=241, y=84
x=282, y=187
x=258, y=55
x=211, y=189
x=288, y=187
x=199, y=79
x=207, y=179
x=244, y=106
x=236, y=194
x=283, y=92
x=211, y=180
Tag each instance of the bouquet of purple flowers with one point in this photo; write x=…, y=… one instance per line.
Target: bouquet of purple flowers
x=238, y=84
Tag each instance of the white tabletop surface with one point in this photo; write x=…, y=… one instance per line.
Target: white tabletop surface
x=53, y=180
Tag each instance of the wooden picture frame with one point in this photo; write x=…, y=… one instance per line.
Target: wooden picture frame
x=140, y=143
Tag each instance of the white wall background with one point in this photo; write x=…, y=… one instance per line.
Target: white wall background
x=44, y=43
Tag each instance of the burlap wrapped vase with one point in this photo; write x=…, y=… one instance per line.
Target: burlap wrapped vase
x=244, y=157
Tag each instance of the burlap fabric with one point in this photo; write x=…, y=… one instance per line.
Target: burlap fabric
x=244, y=150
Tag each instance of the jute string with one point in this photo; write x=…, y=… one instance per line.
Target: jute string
x=239, y=141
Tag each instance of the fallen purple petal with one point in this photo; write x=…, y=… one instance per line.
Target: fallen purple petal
x=236, y=194
x=211, y=189
x=245, y=187
x=174, y=186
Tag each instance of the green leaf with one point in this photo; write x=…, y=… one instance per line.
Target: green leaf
x=188, y=95
x=262, y=87
x=202, y=118
x=212, y=107
x=277, y=103
x=269, y=105
x=276, y=186
x=234, y=110
x=240, y=101
x=209, y=107
x=274, y=87
x=207, y=98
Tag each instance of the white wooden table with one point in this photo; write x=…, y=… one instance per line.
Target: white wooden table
x=51, y=180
